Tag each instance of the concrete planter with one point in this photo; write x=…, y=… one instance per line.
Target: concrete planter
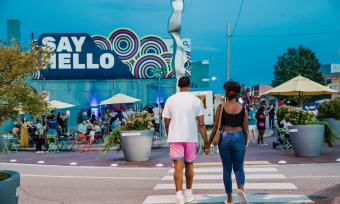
x=136, y=145
x=307, y=140
x=9, y=187
x=334, y=124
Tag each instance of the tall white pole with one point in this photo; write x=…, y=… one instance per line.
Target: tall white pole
x=159, y=106
x=228, y=53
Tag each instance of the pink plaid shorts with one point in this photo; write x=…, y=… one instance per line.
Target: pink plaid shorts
x=183, y=150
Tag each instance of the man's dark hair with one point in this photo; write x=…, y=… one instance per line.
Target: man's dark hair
x=184, y=82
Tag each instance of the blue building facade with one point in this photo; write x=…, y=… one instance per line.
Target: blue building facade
x=13, y=31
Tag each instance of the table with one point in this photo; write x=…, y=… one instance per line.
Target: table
x=9, y=142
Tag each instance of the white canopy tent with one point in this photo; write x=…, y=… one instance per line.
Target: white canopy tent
x=54, y=104
x=119, y=99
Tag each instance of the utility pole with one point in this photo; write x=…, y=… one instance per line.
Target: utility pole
x=228, y=52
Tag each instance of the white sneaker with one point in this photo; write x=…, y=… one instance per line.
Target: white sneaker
x=188, y=197
x=179, y=197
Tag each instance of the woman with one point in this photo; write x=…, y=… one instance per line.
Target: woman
x=261, y=115
x=252, y=122
x=234, y=136
x=61, y=124
x=24, y=133
x=94, y=130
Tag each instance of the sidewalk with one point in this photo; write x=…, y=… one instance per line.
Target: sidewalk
x=254, y=155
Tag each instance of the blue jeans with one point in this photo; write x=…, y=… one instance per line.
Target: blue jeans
x=232, y=150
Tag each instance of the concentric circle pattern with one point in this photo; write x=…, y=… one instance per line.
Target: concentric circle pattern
x=142, y=56
x=146, y=65
x=152, y=45
x=125, y=43
x=101, y=42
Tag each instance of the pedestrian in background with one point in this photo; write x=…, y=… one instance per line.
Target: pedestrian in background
x=80, y=116
x=261, y=115
x=183, y=114
x=39, y=136
x=233, y=139
x=251, y=123
x=61, y=124
x=24, y=133
x=271, y=116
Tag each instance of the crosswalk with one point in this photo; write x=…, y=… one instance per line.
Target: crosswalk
x=208, y=187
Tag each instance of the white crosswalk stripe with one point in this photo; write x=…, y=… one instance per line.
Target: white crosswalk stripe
x=220, y=176
x=220, y=186
x=211, y=179
x=220, y=170
x=219, y=198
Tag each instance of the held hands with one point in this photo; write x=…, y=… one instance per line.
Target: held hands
x=206, y=147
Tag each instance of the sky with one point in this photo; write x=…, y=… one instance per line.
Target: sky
x=265, y=29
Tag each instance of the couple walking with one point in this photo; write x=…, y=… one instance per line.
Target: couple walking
x=184, y=114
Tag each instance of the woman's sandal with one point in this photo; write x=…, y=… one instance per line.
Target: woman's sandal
x=241, y=196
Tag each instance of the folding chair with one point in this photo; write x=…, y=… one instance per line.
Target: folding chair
x=65, y=143
x=9, y=143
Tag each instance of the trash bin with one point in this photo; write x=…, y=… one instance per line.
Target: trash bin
x=9, y=186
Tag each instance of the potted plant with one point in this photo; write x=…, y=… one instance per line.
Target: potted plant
x=307, y=134
x=135, y=138
x=329, y=111
x=9, y=187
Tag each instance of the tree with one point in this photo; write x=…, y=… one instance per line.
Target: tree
x=294, y=62
x=16, y=66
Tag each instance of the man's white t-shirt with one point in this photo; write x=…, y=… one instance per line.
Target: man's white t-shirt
x=183, y=108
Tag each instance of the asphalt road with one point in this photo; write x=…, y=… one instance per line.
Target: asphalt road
x=75, y=184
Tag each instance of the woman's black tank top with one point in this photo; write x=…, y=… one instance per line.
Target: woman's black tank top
x=232, y=120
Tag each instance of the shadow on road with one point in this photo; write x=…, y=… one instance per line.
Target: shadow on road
x=330, y=195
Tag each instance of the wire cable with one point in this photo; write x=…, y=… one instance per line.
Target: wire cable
x=287, y=35
x=238, y=17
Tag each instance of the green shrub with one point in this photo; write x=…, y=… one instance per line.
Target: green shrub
x=281, y=112
x=330, y=136
x=138, y=121
x=330, y=109
x=301, y=117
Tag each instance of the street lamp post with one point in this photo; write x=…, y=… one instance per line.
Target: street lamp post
x=158, y=73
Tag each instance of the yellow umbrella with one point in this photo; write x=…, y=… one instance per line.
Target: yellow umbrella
x=300, y=86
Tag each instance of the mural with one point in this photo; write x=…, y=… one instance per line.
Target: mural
x=121, y=55
x=143, y=55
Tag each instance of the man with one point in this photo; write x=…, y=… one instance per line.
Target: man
x=271, y=116
x=183, y=112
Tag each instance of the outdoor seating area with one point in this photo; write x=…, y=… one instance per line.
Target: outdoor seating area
x=54, y=143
